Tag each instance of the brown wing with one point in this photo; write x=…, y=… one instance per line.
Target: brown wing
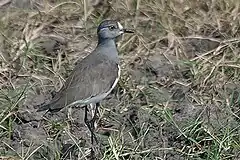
x=86, y=81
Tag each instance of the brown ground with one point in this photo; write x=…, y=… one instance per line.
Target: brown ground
x=178, y=97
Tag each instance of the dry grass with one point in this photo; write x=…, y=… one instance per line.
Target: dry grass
x=179, y=93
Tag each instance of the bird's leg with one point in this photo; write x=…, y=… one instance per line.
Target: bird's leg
x=94, y=108
x=93, y=119
x=90, y=126
x=69, y=114
x=91, y=129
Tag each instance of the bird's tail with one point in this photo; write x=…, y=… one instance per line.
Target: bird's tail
x=44, y=107
x=50, y=107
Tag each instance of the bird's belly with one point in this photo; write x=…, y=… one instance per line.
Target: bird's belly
x=97, y=98
x=93, y=100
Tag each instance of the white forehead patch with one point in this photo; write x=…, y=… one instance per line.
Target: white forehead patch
x=120, y=26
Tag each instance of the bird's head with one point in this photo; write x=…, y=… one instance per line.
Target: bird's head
x=111, y=29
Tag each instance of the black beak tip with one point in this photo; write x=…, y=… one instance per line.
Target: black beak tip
x=128, y=31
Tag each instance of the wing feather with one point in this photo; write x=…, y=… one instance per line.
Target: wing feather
x=87, y=80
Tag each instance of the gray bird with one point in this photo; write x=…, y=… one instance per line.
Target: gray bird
x=95, y=76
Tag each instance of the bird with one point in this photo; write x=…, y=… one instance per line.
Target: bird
x=94, y=77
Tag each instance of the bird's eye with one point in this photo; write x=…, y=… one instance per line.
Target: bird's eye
x=111, y=28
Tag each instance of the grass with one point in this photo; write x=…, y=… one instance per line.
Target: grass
x=178, y=97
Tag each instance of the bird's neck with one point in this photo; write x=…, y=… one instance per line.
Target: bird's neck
x=108, y=42
x=108, y=48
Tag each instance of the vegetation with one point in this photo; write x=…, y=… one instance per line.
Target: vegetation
x=179, y=94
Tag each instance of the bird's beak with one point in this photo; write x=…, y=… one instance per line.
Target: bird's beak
x=123, y=30
x=127, y=31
